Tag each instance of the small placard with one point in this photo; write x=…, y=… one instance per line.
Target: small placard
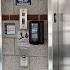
x=10, y=28
x=23, y=39
x=24, y=61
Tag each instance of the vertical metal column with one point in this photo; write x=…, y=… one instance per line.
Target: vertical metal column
x=50, y=35
x=0, y=38
x=53, y=35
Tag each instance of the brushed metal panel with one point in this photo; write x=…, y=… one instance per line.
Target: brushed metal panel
x=0, y=39
x=50, y=41
x=64, y=45
x=66, y=38
x=64, y=55
x=59, y=48
x=64, y=68
x=58, y=39
x=52, y=35
x=66, y=22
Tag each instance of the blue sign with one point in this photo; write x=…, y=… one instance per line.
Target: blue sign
x=21, y=2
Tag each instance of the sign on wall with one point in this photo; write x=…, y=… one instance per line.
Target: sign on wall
x=22, y=2
x=23, y=39
x=10, y=28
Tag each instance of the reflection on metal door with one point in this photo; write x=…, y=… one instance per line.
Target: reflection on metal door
x=64, y=7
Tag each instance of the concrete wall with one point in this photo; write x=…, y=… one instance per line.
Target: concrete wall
x=11, y=51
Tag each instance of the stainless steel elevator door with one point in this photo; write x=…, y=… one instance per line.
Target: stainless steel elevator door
x=64, y=34
x=59, y=35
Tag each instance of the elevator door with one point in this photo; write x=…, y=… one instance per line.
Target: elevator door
x=59, y=34
x=64, y=34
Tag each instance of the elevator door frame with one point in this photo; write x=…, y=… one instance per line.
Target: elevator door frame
x=53, y=35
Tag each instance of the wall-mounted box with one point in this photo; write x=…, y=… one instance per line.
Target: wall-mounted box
x=23, y=18
x=36, y=32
